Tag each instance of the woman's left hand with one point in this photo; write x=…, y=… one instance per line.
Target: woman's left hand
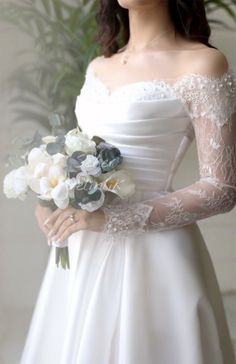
x=61, y=226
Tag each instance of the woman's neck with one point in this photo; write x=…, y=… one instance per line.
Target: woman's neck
x=147, y=22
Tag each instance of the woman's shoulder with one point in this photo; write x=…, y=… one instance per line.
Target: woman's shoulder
x=208, y=61
x=96, y=62
x=199, y=59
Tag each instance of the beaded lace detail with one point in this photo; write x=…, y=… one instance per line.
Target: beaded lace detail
x=97, y=91
x=211, y=105
x=135, y=219
x=183, y=88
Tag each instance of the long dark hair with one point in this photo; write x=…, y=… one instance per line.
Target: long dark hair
x=188, y=16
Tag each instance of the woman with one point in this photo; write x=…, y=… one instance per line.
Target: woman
x=142, y=288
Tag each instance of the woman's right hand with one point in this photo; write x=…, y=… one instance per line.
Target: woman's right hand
x=42, y=213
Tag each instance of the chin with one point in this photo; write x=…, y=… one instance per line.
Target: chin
x=132, y=4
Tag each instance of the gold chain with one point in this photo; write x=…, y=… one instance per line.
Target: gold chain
x=124, y=58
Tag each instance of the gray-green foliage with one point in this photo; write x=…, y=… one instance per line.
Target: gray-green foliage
x=64, y=38
x=63, y=35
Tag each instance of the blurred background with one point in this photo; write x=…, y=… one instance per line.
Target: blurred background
x=45, y=48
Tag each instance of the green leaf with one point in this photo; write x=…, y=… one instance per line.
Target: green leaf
x=47, y=7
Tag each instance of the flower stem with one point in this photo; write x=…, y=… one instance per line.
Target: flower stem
x=62, y=256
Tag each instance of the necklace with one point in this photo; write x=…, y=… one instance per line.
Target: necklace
x=124, y=58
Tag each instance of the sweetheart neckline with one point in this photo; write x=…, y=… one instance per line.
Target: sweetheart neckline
x=172, y=86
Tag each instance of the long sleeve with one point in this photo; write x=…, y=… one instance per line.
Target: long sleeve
x=211, y=105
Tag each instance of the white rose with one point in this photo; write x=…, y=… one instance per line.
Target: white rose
x=81, y=142
x=91, y=166
x=15, y=183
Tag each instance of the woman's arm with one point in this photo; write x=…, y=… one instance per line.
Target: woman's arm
x=211, y=104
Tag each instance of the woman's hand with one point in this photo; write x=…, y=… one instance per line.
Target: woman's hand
x=61, y=226
x=43, y=213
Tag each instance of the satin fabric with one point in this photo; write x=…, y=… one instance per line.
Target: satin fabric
x=151, y=298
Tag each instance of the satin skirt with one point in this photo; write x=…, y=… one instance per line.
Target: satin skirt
x=149, y=299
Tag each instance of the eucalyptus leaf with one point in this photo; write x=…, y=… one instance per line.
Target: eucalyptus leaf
x=54, y=148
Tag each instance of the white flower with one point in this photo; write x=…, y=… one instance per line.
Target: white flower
x=49, y=139
x=119, y=183
x=60, y=195
x=15, y=183
x=36, y=156
x=79, y=142
x=91, y=166
x=47, y=175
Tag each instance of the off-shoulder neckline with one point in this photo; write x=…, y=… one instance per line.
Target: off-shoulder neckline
x=164, y=81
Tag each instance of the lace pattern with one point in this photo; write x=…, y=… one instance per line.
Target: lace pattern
x=211, y=104
x=95, y=90
x=123, y=222
x=198, y=92
x=208, y=97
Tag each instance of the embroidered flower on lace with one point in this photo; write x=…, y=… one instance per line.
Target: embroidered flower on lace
x=176, y=214
x=121, y=221
x=209, y=97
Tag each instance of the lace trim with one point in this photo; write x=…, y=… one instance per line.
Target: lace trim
x=208, y=97
x=123, y=221
x=206, y=200
x=96, y=90
x=204, y=96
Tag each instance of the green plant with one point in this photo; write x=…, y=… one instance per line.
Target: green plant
x=63, y=35
x=228, y=6
x=64, y=38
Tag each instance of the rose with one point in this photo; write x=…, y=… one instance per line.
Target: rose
x=108, y=156
x=15, y=183
x=77, y=141
x=91, y=166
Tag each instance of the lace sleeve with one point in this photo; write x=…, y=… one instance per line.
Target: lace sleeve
x=211, y=104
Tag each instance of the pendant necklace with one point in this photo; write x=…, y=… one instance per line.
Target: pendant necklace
x=125, y=57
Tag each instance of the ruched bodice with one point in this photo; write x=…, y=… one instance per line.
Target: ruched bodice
x=143, y=290
x=141, y=129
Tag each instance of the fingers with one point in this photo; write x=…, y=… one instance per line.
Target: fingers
x=67, y=227
x=50, y=220
x=62, y=216
x=54, y=215
x=40, y=221
x=69, y=231
x=62, y=228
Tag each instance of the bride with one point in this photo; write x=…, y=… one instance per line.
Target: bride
x=141, y=288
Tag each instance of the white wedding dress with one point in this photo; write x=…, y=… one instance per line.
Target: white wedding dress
x=136, y=294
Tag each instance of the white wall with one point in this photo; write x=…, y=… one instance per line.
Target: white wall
x=23, y=249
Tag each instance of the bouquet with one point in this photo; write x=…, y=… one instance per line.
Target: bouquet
x=70, y=170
